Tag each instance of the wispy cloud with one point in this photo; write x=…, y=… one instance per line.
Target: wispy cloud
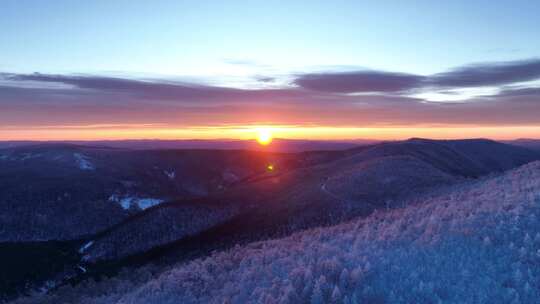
x=488, y=74
x=157, y=90
x=359, y=81
x=475, y=75
x=514, y=92
x=387, y=99
x=265, y=79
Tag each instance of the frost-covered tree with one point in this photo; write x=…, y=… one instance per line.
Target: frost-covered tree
x=472, y=243
x=336, y=297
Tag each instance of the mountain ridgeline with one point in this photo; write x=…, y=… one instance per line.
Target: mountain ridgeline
x=63, y=191
x=477, y=242
x=112, y=208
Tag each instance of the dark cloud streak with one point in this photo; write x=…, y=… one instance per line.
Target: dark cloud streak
x=476, y=75
x=158, y=90
x=488, y=74
x=319, y=98
x=360, y=81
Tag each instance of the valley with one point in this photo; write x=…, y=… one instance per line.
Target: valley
x=189, y=204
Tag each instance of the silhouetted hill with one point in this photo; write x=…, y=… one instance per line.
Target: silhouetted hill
x=533, y=144
x=278, y=144
x=468, y=158
x=66, y=191
x=363, y=180
x=478, y=240
x=134, y=207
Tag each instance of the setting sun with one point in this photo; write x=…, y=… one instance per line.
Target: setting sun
x=264, y=137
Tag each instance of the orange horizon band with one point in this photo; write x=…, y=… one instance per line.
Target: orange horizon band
x=254, y=132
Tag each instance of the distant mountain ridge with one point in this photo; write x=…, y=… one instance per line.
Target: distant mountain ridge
x=278, y=144
x=363, y=180
x=526, y=142
x=66, y=191
x=467, y=157
x=480, y=241
x=118, y=207
x=97, y=187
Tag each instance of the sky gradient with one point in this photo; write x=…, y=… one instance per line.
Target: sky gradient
x=308, y=69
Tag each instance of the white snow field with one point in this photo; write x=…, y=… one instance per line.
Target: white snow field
x=83, y=161
x=141, y=202
x=479, y=243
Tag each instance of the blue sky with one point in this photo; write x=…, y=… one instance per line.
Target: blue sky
x=193, y=37
x=327, y=64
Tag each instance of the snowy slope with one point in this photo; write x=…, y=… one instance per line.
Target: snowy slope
x=66, y=192
x=477, y=244
x=158, y=227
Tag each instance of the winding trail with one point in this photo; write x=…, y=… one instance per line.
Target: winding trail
x=325, y=190
x=351, y=203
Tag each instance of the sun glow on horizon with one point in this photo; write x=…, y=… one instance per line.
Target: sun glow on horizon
x=264, y=136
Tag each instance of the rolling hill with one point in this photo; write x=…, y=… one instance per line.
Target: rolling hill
x=64, y=191
x=363, y=180
x=479, y=240
x=305, y=190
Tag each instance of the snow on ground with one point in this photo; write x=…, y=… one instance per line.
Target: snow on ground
x=142, y=203
x=81, y=268
x=230, y=177
x=85, y=246
x=478, y=244
x=170, y=174
x=20, y=157
x=83, y=161
x=27, y=156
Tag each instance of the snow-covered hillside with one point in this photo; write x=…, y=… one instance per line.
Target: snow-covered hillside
x=477, y=244
x=60, y=191
x=158, y=227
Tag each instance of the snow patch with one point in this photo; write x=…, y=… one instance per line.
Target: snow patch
x=147, y=202
x=26, y=156
x=58, y=157
x=83, y=161
x=170, y=174
x=230, y=177
x=86, y=246
x=47, y=286
x=478, y=243
x=142, y=202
